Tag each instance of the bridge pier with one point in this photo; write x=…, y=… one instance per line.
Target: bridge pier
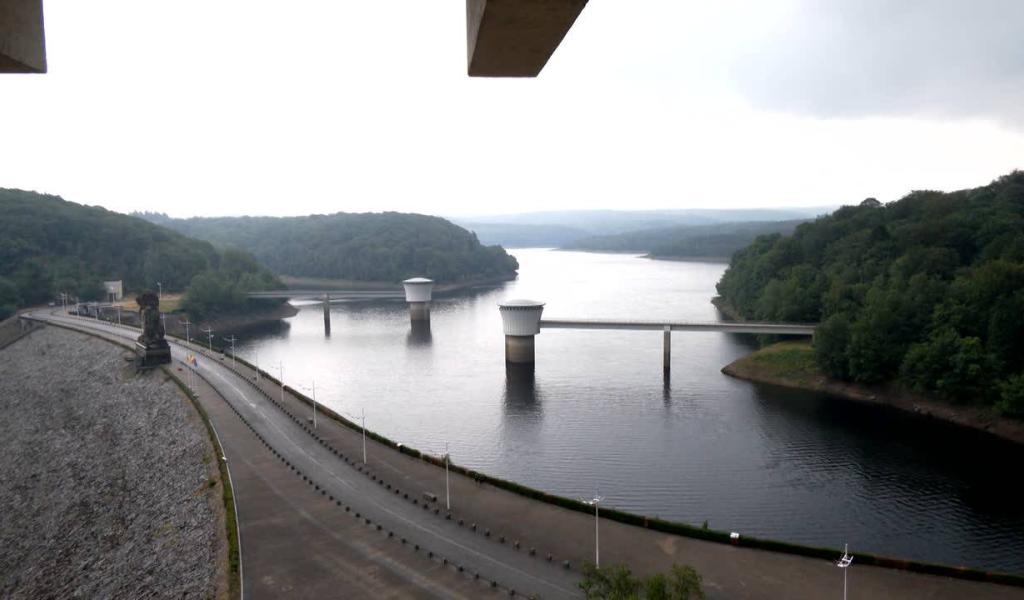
x=418, y=293
x=667, y=351
x=521, y=322
x=327, y=315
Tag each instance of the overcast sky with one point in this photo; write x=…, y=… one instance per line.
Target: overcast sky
x=224, y=107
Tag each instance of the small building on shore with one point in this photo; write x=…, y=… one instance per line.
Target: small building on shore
x=114, y=290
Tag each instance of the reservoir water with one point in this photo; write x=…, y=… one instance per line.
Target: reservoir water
x=598, y=418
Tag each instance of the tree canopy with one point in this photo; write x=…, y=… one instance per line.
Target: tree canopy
x=49, y=246
x=386, y=246
x=719, y=240
x=927, y=291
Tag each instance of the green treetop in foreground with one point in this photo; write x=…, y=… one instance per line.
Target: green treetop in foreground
x=618, y=583
x=927, y=291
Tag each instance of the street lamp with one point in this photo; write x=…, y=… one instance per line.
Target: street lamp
x=363, y=417
x=232, y=340
x=844, y=563
x=281, y=367
x=186, y=323
x=314, y=404
x=209, y=336
x=447, y=491
x=160, y=291
x=597, y=533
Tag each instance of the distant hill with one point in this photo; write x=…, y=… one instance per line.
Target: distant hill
x=562, y=228
x=365, y=246
x=927, y=291
x=686, y=241
x=524, y=236
x=49, y=245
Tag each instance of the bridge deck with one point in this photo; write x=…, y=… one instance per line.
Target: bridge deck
x=761, y=328
x=334, y=294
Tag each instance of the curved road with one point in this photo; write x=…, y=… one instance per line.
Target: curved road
x=510, y=568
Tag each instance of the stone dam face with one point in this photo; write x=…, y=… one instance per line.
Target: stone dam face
x=109, y=486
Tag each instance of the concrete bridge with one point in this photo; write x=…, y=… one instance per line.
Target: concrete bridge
x=333, y=295
x=417, y=293
x=522, y=322
x=521, y=319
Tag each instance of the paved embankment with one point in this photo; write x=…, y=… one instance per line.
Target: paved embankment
x=323, y=485
x=109, y=486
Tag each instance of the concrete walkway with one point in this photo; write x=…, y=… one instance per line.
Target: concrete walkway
x=331, y=460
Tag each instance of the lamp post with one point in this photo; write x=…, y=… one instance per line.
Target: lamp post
x=160, y=291
x=364, y=436
x=844, y=563
x=232, y=340
x=314, y=404
x=447, y=490
x=209, y=336
x=281, y=367
x=597, y=533
x=118, y=315
x=257, y=369
x=186, y=323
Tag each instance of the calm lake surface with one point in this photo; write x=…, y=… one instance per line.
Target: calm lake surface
x=597, y=417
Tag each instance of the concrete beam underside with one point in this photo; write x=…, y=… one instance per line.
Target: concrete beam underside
x=22, y=41
x=515, y=38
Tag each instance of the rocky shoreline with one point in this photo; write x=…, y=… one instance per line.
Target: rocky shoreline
x=755, y=368
x=110, y=486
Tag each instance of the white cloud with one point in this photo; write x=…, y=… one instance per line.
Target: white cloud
x=267, y=108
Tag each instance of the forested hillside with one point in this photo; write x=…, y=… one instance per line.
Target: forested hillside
x=49, y=246
x=368, y=246
x=927, y=290
x=720, y=240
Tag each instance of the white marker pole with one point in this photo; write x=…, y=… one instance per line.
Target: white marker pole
x=282, y=382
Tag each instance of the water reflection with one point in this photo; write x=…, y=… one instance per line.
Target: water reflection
x=521, y=389
x=419, y=334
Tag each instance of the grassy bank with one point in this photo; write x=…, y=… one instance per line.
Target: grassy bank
x=791, y=364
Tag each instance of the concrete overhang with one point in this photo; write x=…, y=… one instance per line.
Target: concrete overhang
x=22, y=43
x=515, y=38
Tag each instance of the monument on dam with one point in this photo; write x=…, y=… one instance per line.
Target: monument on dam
x=151, y=347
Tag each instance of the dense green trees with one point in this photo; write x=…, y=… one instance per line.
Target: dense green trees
x=222, y=289
x=372, y=246
x=719, y=240
x=49, y=246
x=927, y=290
